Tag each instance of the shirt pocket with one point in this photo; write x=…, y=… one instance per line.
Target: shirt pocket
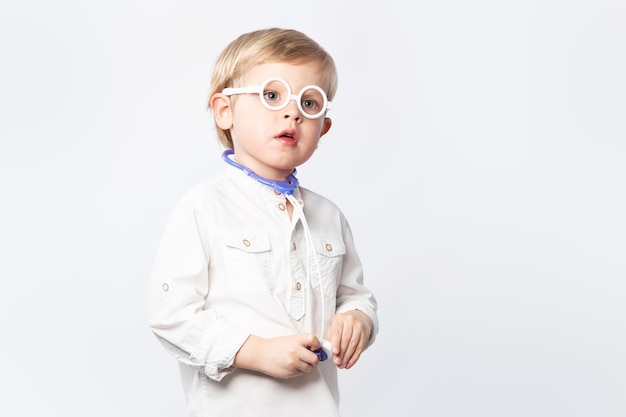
x=248, y=263
x=329, y=252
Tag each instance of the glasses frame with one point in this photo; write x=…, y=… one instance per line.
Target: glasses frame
x=259, y=89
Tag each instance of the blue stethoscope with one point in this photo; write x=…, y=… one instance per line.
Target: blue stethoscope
x=283, y=187
x=286, y=187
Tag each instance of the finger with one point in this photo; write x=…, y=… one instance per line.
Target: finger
x=348, y=346
x=355, y=344
x=355, y=355
x=360, y=347
x=334, y=336
x=310, y=341
x=308, y=362
x=335, y=342
x=304, y=367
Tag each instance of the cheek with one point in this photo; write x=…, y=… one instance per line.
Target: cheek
x=318, y=129
x=321, y=132
x=247, y=119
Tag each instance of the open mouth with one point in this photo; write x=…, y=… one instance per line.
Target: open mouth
x=288, y=136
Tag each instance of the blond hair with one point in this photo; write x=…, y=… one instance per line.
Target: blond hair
x=267, y=46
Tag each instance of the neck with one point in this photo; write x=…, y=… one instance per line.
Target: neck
x=284, y=187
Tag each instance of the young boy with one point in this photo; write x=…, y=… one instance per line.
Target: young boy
x=255, y=273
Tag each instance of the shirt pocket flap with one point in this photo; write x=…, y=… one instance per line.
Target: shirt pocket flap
x=330, y=247
x=251, y=243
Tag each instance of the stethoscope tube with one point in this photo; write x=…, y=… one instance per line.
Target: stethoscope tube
x=284, y=187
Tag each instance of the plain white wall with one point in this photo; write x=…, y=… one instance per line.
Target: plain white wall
x=478, y=151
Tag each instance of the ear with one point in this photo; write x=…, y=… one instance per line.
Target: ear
x=326, y=127
x=222, y=111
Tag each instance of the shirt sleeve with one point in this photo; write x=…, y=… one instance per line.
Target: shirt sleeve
x=178, y=286
x=352, y=294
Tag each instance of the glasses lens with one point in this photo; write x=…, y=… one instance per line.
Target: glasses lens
x=276, y=94
x=312, y=101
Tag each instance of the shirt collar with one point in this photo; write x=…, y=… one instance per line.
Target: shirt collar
x=242, y=179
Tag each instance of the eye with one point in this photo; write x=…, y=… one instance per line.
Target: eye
x=271, y=95
x=310, y=104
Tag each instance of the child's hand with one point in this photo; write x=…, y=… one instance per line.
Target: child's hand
x=280, y=357
x=348, y=334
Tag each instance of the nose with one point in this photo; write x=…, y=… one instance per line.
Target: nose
x=292, y=110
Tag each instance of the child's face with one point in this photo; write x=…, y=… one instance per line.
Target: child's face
x=274, y=142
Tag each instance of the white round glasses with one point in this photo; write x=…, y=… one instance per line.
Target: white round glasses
x=275, y=94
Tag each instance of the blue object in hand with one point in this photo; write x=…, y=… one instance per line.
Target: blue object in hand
x=321, y=354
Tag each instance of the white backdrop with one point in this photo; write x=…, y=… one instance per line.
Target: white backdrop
x=478, y=151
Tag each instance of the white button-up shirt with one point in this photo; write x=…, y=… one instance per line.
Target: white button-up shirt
x=232, y=263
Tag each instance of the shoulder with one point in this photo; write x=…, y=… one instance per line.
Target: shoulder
x=208, y=189
x=204, y=196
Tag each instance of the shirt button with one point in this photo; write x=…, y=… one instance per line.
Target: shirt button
x=281, y=206
x=165, y=287
x=329, y=247
x=246, y=242
x=298, y=286
x=293, y=245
